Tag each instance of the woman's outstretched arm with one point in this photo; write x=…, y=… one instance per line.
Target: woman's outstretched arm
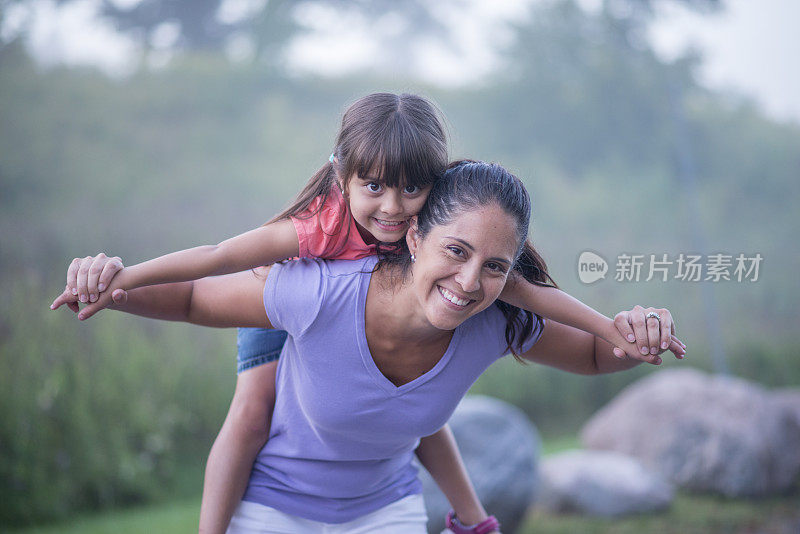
x=220, y=301
x=559, y=306
x=577, y=351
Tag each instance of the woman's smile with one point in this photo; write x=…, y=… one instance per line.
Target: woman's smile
x=453, y=299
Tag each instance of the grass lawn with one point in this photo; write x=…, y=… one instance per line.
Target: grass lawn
x=689, y=514
x=173, y=518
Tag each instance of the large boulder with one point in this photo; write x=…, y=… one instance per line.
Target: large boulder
x=500, y=448
x=600, y=483
x=703, y=432
x=789, y=398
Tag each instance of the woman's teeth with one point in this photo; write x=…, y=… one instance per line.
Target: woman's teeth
x=453, y=298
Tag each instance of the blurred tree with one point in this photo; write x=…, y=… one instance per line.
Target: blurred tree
x=630, y=18
x=265, y=27
x=202, y=25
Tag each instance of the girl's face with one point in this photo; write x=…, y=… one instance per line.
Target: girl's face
x=460, y=268
x=382, y=213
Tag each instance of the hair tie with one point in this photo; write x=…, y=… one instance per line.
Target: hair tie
x=331, y=158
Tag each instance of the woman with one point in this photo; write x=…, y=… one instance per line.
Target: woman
x=380, y=355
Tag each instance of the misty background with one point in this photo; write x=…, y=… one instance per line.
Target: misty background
x=142, y=127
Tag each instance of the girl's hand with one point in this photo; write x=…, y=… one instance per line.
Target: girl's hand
x=85, y=278
x=651, y=335
x=88, y=277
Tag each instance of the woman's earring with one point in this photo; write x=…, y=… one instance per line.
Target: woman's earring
x=413, y=258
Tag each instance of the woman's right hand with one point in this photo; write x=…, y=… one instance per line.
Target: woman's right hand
x=87, y=278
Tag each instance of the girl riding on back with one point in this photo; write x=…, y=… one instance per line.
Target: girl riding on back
x=389, y=151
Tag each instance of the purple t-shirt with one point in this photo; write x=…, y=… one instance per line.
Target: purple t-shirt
x=343, y=435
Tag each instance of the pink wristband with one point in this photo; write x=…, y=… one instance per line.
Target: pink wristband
x=487, y=525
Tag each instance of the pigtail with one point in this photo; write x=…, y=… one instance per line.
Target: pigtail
x=319, y=185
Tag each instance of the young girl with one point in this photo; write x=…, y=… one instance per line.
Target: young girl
x=389, y=151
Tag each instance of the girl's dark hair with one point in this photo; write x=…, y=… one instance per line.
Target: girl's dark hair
x=467, y=185
x=399, y=138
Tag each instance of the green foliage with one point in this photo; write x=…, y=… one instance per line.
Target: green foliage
x=103, y=413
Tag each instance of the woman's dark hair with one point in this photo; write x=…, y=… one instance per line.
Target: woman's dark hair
x=399, y=138
x=467, y=185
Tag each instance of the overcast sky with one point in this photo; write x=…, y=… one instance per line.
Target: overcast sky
x=750, y=48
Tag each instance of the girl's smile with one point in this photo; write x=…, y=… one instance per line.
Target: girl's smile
x=391, y=226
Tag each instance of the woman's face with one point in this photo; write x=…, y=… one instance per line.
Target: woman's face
x=461, y=267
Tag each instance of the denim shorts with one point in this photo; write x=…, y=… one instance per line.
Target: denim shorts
x=257, y=346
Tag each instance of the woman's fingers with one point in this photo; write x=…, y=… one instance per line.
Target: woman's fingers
x=119, y=296
x=652, y=337
x=103, y=301
x=667, y=328
x=622, y=322
x=653, y=331
x=637, y=322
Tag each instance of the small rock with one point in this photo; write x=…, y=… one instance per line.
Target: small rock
x=599, y=483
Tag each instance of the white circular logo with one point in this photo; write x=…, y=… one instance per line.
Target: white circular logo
x=591, y=267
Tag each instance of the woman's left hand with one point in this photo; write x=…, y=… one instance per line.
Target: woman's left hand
x=652, y=335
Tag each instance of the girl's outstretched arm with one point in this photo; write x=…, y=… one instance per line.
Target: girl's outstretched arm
x=438, y=453
x=558, y=306
x=262, y=246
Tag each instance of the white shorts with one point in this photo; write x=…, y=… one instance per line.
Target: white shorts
x=406, y=516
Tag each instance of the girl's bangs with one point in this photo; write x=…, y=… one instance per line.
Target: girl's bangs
x=398, y=164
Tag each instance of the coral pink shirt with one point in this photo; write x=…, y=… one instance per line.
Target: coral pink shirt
x=331, y=232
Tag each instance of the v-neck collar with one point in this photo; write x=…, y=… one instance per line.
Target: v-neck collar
x=366, y=356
